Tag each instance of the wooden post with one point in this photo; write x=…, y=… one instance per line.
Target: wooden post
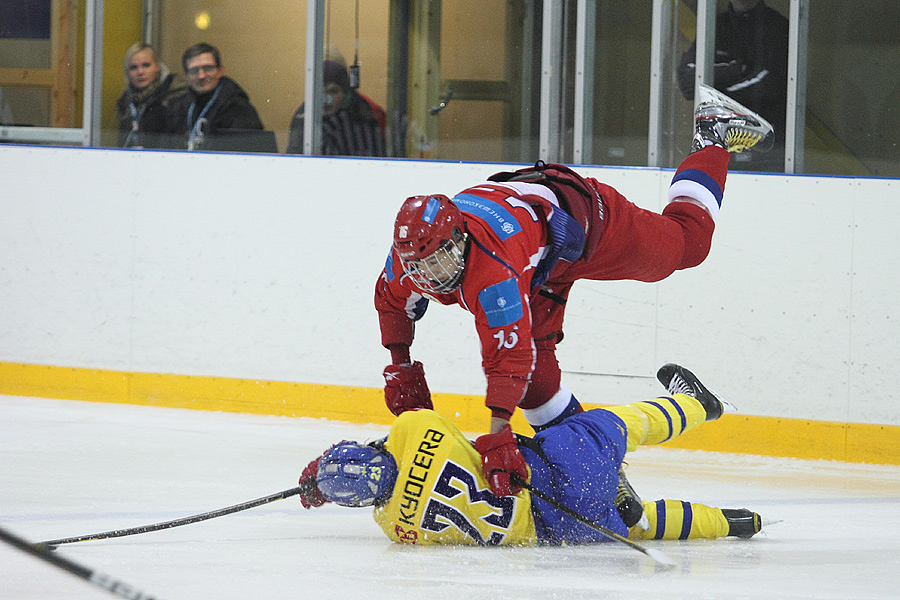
x=64, y=64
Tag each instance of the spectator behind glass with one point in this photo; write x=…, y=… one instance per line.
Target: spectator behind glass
x=350, y=123
x=149, y=89
x=214, y=103
x=751, y=67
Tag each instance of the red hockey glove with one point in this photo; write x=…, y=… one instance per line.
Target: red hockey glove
x=501, y=459
x=405, y=388
x=310, y=496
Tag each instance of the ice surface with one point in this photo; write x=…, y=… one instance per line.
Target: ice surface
x=73, y=468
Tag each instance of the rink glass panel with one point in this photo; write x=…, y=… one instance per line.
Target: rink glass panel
x=481, y=60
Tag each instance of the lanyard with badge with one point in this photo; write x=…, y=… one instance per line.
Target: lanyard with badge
x=133, y=140
x=195, y=139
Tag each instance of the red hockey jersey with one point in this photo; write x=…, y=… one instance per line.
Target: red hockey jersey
x=506, y=223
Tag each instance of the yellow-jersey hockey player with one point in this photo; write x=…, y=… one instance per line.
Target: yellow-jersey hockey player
x=426, y=482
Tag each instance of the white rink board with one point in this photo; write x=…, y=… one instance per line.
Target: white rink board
x=263, y=267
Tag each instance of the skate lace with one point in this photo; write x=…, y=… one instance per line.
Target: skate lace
x=739, y=140
x=679, y=386
x=623, y=492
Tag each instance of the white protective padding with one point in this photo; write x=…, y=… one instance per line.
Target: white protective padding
x=263, y=267
x=551, y=409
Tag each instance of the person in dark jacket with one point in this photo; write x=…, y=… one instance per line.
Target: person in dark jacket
x=350, y=127
x=150, y=88
x=215, y=102
x=750, y=66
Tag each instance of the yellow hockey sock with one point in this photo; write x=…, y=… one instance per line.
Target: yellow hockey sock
x=679, y=520
x=656, y=421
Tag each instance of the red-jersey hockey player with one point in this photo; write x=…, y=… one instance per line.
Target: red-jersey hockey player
x=508, y=251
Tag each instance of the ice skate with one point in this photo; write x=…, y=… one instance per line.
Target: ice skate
x=629, y=505
x=725, y=123
x=678, y=380
x=742, y=523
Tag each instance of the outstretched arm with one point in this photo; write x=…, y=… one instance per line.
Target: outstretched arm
x=398, y=308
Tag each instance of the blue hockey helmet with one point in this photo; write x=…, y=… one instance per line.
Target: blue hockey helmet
x=352, y=474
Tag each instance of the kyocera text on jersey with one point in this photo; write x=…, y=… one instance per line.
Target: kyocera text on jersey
x=415, y=482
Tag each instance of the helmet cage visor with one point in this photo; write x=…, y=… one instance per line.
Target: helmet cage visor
x=441, y=271
x=352, y=474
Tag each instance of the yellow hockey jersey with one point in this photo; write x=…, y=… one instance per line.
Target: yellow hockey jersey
x=441, y=495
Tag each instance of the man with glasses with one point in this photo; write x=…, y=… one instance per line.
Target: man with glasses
x=216, y=103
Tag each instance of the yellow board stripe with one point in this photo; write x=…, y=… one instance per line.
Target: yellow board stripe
x=797, y=438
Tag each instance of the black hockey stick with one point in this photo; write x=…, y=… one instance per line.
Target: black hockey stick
x=51, y=544
x=657, y=555
x=105, y=581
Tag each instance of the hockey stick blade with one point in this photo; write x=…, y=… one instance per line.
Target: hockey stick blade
x=52, y=544
x=658, y=555
x=114, y=586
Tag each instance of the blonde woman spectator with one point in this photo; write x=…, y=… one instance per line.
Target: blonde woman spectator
x=150, y=87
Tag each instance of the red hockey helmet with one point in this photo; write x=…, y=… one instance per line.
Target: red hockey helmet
x=429, y=239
